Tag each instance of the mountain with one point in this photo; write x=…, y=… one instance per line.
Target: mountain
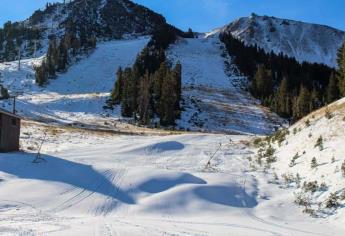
x=303, y=41
x=104, y=19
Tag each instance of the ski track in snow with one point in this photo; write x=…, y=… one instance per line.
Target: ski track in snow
x=157, y=185
x=103, y=184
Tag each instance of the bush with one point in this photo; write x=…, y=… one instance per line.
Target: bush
x=328, y=114
x=332, y=201
x=4, y=93
x=280, y=136
x=310, y=186
x=343, y=169
x=314, y=163
x=258, y=142
x=293, y=161
x=319, y=143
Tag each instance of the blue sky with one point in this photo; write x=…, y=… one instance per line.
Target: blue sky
x=204, y=15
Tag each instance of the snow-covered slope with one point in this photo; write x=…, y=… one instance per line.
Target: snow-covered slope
x=303, y=41
x=212, y=101
x=77, y=96
x=102, y=184
x=104, y=19
x=319, y=136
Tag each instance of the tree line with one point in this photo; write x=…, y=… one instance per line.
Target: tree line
x=289, y=88
x=151, y=88
x=12, y=39
x=61, y=52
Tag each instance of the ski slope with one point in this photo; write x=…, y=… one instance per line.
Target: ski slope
x=77, y=96
x=94, y=183
x=213, y=102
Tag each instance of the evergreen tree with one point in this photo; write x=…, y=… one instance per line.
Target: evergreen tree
x=303, y=103
x=144, y=109
x=167, y=101
x=341, y=70
x=4, y=93
x=283, y=99
x=332, y=92
x=116, y=94
x=262, y=83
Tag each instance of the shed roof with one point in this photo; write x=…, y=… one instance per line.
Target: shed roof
x=2, y=111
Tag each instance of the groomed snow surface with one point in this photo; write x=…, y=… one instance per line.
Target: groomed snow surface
x=99, y=183
x=95, y=183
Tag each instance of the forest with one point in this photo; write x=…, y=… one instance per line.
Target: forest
x=289, y=88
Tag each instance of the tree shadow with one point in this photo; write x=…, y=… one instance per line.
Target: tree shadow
x=63, y=171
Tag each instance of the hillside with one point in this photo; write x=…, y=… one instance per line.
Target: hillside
x=103, y=19
x=319, y=136
x=303, y=41
x=211, y=103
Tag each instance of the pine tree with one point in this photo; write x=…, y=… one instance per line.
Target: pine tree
x=4, y=93
x=262, y=84
x=303, y=103
x=116, y=94
x=341, y=70
x=168, y=101
x=144, y=109
x=314, y=163
x=62, y=56
x=332, y=92
x=283, y=99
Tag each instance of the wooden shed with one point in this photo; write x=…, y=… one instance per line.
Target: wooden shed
x=9, y=131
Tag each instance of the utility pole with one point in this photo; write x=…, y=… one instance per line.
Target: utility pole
x=19, y=57
x=35, y=48
x=14, y=104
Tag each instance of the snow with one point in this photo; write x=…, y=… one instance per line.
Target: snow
x=213, y=101
x=301, y=141
x=94, y=179
x=76, y=96
x=105, y=184
x=303, y=41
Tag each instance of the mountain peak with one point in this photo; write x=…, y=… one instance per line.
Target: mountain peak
x=304, y=41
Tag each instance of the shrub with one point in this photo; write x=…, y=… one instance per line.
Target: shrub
x=302, y=200
x=332, y=201
x=343, y=169
x=328, y=114
x=310, y=186
x=319, y=143
x=314, y=163
x=293, y=161
x=288, y=178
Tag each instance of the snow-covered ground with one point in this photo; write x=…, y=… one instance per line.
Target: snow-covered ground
x=95, y=183
x=98, y=182
x=212, y=101
x=294, y=167
x=77, y=96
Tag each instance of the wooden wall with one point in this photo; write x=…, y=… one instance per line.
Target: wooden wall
x=10, y=133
